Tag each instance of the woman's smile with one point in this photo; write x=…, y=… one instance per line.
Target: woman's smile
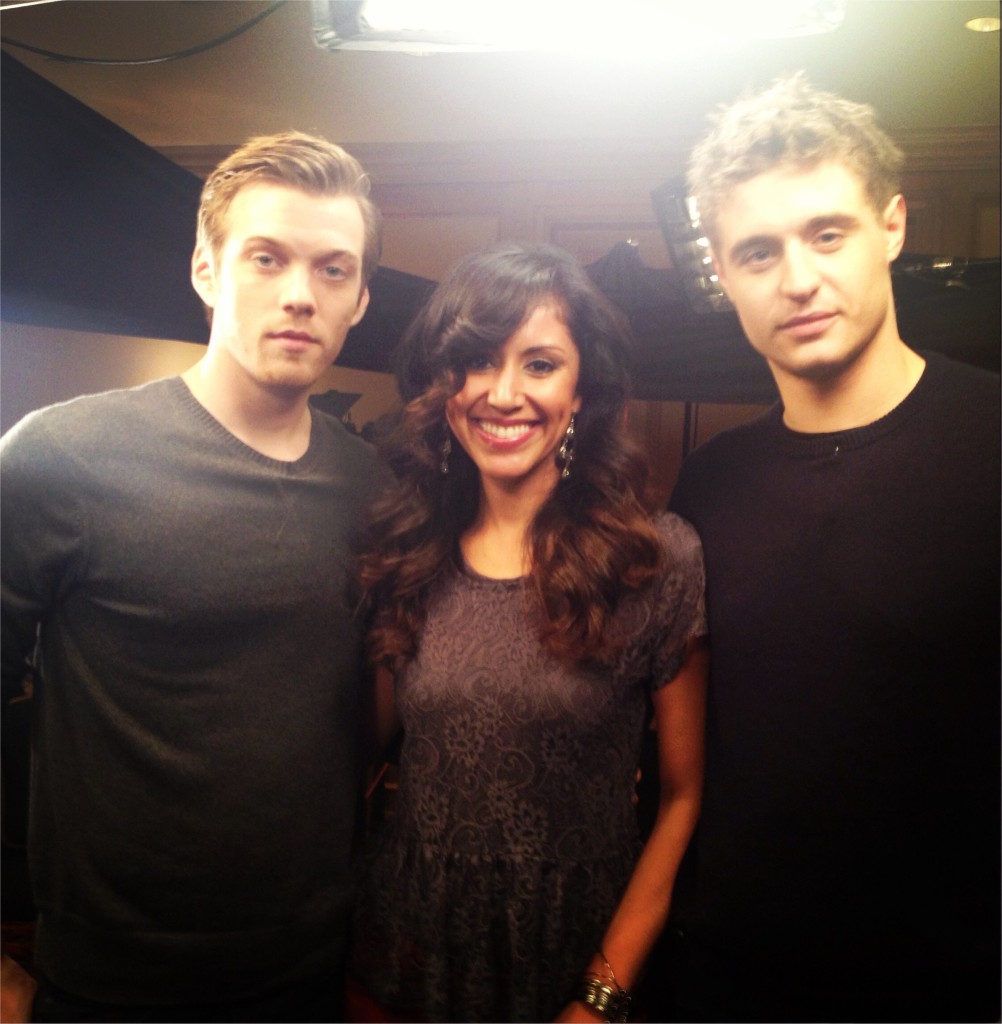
x=506, y=432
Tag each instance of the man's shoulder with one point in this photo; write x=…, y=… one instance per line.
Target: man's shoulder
x=90, y=418
x=336, y=433
x=355, y=456
x=958, y=381
x=712, y=469
x=964, y=407
x=751, y=437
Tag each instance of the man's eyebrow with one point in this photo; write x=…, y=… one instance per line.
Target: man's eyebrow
x=831, y=220
x=339, y=254
x=262, y=240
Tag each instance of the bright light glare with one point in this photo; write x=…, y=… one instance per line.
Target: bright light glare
x=588, y=24
x=983, y=24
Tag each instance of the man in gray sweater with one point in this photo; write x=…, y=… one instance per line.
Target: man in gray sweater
x=177, y=559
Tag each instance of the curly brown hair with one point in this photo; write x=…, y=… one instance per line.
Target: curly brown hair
x=591, y=542
x=791, y=122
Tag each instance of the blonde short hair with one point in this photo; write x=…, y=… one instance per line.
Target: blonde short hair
x=791, y=122
x=300, y=161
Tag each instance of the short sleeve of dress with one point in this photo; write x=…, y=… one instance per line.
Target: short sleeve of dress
x=679, y=607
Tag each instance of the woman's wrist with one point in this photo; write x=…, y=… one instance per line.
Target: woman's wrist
x=582, y=1009
x=601, y=992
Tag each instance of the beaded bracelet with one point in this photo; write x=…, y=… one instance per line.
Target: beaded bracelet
x=612, y=1001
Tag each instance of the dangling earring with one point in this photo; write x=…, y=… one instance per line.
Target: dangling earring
x=565, y=453
x=445, y=452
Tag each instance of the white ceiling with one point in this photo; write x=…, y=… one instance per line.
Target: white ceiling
x=913, y=59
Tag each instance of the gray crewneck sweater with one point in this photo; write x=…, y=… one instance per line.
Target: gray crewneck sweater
x=193, y=795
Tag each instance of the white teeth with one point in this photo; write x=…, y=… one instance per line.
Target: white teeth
x=505, y=433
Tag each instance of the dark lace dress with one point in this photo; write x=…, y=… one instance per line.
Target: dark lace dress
x=513, y=833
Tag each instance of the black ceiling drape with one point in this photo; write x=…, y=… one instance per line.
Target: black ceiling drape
x=97, y=228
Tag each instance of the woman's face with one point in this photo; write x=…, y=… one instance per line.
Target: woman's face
x=516, y=403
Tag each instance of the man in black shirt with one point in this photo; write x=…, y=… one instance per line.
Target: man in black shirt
x=846, y=866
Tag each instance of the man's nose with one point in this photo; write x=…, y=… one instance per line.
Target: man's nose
x=297, y=291
x=800, y=272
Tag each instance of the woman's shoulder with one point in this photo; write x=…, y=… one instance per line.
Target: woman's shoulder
x=678, y=536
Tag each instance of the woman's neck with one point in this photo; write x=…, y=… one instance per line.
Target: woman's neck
x=496, y=544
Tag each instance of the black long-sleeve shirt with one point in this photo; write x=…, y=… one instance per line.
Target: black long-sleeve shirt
x=849, y=841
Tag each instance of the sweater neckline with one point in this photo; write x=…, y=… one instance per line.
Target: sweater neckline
x=230, y=439
x=838, y=442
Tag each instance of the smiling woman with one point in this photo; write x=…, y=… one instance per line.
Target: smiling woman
x=516, y=405
x=525, y=610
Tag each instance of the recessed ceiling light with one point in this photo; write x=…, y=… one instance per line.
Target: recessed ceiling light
x=983, y=24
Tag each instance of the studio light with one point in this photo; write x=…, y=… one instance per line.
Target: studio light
x=689, y=247
x=631, y=26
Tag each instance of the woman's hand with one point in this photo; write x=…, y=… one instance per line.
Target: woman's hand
x=17, y=992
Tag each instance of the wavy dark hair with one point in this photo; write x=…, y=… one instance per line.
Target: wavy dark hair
x=591, y=542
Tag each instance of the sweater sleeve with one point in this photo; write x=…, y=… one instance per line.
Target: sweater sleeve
x=680, y=608
x=41, y=540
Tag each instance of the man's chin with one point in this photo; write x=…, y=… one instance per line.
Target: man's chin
x=290, y=384
x=818, y=366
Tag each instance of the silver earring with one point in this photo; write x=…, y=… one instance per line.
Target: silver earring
x=565, y=453
x=446, y=451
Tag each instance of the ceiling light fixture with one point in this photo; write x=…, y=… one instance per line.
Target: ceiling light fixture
x=436, y=26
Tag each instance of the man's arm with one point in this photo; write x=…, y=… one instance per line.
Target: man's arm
x=40, y=537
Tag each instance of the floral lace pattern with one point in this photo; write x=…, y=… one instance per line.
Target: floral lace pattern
x=513, y=832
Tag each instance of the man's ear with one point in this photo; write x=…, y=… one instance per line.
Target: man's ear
x=895, y=218
x=718, y=270
x=363, y=305
x=203, y=274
